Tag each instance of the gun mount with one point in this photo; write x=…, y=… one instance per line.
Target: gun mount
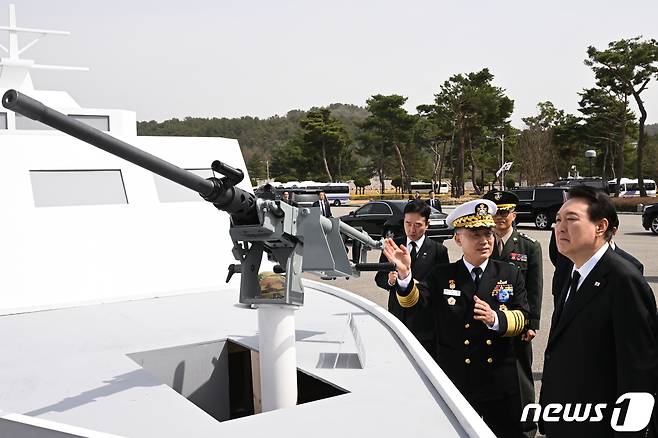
x=297, y=239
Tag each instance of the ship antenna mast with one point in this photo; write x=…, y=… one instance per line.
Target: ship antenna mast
x=14, y=66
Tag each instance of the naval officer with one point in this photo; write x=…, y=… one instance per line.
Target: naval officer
x=425, y=255
x=478, y=305
x=525, y=252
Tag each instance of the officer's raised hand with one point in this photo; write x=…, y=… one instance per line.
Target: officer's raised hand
x=482, y=312
x=399, y=255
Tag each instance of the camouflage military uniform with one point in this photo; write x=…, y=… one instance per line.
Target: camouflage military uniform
x=525, y=253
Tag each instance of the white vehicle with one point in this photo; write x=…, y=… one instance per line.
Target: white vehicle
x=337, y=193
x=630, y=188
x=439, y=188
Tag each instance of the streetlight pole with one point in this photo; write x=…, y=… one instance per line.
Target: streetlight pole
x=590, y=154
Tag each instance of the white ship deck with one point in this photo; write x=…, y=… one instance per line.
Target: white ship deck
x=71, y=366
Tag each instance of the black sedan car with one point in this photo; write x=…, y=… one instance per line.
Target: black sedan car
x=650, y=218
x=385, y=218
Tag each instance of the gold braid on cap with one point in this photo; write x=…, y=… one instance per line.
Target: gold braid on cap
x=474, y=221
x=411, y=299
x=505, y=206
x=515, y=322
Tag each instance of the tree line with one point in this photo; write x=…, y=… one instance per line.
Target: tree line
x=460, y=134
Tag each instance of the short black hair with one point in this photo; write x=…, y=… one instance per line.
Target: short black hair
x=420, y=207
x=600, y=206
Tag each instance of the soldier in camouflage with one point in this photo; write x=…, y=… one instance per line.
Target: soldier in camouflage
x=524, y=252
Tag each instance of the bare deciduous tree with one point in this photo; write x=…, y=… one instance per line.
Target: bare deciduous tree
x=535, y=151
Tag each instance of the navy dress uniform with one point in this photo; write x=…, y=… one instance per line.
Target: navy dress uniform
x=524, y=252
x=479, y=361
x=420, y=323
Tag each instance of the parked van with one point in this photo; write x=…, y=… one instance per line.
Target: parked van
x=629, y=188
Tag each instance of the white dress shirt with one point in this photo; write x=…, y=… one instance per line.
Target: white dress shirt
x=587, y=267
x=419, y=243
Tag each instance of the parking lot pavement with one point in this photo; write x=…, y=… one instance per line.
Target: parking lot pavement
x=631, y=237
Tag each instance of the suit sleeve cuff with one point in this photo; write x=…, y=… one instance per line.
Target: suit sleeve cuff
x=496, y=324
x=404, y=283
x=410, y=297
x=512, y=322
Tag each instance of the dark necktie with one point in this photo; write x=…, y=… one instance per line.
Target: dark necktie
x=572, y=289
x=414, y=253
x=478, y=274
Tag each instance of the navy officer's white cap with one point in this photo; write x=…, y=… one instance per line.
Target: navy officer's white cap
x=473, y=214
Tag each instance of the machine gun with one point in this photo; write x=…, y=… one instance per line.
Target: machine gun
x=297, y=239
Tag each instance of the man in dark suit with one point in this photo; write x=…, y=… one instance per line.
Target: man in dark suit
x=563, y=265
x=428, y=254
x=285, y=197
x=323, y=203
x=557, y=258
x=434, y=202
x=479, y=305
x=602, y=340
x=524, y=252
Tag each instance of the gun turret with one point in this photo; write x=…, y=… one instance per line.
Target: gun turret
x=285, y=232
x=298, y=239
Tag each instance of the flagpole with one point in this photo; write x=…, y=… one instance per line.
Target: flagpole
x=502, y=159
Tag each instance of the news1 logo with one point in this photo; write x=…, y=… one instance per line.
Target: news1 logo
x=630, y=413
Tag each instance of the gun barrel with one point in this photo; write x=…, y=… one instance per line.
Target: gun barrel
x=360, y=236
x=36, y=110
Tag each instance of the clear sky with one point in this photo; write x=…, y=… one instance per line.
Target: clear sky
x=222, y=58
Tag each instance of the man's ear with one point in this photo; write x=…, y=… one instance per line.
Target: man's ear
x=602, y=227
x=458, y=239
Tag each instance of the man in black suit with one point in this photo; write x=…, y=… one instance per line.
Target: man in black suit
x=433, y=202
x=558, y=259
x=602, y=340
x=428, y=254
x=285, y=197
x=563, y=265
x=614, y=224
x=323, y=203
x=479, y=305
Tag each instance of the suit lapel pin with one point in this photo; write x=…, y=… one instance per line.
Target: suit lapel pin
x=597, y=284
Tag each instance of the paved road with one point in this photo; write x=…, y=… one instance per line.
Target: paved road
x=631, y=237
